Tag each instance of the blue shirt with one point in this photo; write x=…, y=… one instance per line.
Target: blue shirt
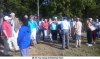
x=72, y=23
x=40, y=25
x=65, y=25
x=24, y=39
x=32, y=24
x=53, y=26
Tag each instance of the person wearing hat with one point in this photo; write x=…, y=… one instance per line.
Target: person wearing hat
x=7, y=34
x=15, y=28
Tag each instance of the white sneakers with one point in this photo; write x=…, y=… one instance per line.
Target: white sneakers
x=89, y=44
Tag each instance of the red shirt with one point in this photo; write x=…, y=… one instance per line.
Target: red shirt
x=46, y=25
x=7, y=27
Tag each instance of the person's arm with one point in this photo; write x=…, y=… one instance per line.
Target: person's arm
x=4, y=30
x=69, y=30
x=5, y=33
x=75, y=28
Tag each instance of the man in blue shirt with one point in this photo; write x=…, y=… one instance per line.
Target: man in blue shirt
x=24, y=39
x=65, y=27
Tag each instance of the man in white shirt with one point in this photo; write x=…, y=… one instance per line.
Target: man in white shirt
x=65, y=27
x=15, y=29
x=78, y=28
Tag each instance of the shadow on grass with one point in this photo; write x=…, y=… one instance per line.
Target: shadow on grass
x=54, y=44
x=57, y=44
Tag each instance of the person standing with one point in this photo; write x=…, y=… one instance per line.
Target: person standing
x=72, y=24
x=65, y=27
x=78, y=29
x=50, y=35
x=90, y=31
x=1, y=40
x=40, y=30
x=59, y=31
x=24, y=38
x=53, y=28
x=93, y=31
x=7, y=35
x=46, y=27
x=33, y=27
x=15, y=29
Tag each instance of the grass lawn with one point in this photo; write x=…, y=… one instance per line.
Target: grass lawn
x=54, y=49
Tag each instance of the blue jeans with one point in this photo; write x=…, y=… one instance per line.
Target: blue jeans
x=25, y=52
x=39, y=36
x=65, y=38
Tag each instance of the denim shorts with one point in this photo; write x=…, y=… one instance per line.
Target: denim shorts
x=78, y=37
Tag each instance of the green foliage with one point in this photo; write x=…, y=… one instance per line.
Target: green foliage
x=80, y=8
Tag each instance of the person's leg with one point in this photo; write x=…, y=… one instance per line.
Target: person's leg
x=63, y=40
x=14, y=41
x=60, y=35
x=27, y=52
x=76, y=43
x=63, y=44
x=46, y=35
x=42, y=34
x=94, y=36
x=72, y=33
x=67, y=39
x=52, y=34
x=79, y=43
x=35, y=35
x=6, y=47
x=89, y=36
x=79, y=40
x=23, y=52
x=1, y=42
x=55, y=34
x=10, y=44
x=38, y=36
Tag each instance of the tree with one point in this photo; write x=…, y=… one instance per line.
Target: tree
x=80, y=8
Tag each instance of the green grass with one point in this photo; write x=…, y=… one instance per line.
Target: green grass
x=54, y=49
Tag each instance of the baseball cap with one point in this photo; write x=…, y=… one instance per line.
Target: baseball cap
x=7, y=18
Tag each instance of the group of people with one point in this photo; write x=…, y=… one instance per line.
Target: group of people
x=9, y=33
x=93, y=29
x=21, y=34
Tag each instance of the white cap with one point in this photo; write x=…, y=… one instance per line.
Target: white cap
x=7, y=18
x=12, y=13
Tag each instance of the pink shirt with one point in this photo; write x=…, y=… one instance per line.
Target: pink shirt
x=7, y=27
x=46, y=25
